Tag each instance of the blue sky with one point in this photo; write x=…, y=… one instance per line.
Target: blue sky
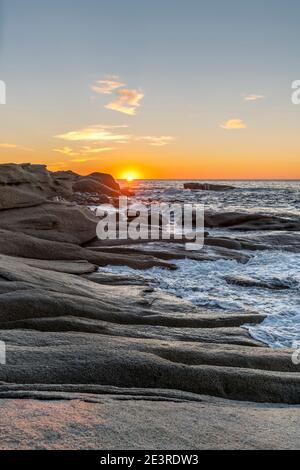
x=193, y=61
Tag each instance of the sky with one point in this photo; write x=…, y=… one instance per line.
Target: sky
x=160, y=89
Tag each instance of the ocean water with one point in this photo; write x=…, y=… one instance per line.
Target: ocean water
x=204, y=283
x=266, y=197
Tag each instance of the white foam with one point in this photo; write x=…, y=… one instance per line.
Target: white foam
x=203, y=283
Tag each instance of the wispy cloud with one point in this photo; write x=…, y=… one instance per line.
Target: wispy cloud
x=83, y=151
x=253, y=97
x=104, y=134
x=99, y=133
x=127, y=101
x=156, y=141
x=90, y=150
x=233, y=124
x=65, y=151
x=108, y=85
x=77, y=160
x=15, y=146
x=85, y=159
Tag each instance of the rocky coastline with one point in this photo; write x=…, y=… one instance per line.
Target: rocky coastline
x=107, y=361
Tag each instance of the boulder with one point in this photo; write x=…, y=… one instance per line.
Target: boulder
x=90, y=185
x=106, y=180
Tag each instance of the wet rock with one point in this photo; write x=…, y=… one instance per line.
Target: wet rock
x=169, y=251
x=58, y=294
x=243, y=281
x=243, y=221
x=223, y=242
x=277, y=240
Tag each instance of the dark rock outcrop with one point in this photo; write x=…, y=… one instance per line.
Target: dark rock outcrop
x=25, y=185
x=243, y=281
x=247, y=222
x=172, y=251
x=106, y=180
x=207, y=187
x=90, y=185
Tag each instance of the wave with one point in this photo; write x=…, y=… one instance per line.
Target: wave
x=205, y=284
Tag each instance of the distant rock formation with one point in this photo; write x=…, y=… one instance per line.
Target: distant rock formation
x=207, y=187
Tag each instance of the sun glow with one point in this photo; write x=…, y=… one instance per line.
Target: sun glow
x=129, y=176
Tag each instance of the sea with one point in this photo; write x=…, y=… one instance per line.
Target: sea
x=203, y=282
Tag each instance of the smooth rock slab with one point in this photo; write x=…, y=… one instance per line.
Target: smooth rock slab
x=24, y=246
x=28, y=293
x=238, y=336
x=227, y=371
x=52, y=221
x=113, y=424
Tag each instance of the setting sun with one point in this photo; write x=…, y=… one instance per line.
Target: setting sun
x=129, y=176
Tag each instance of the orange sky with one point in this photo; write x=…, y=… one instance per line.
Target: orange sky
x=158, y=165
x=204, y=93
